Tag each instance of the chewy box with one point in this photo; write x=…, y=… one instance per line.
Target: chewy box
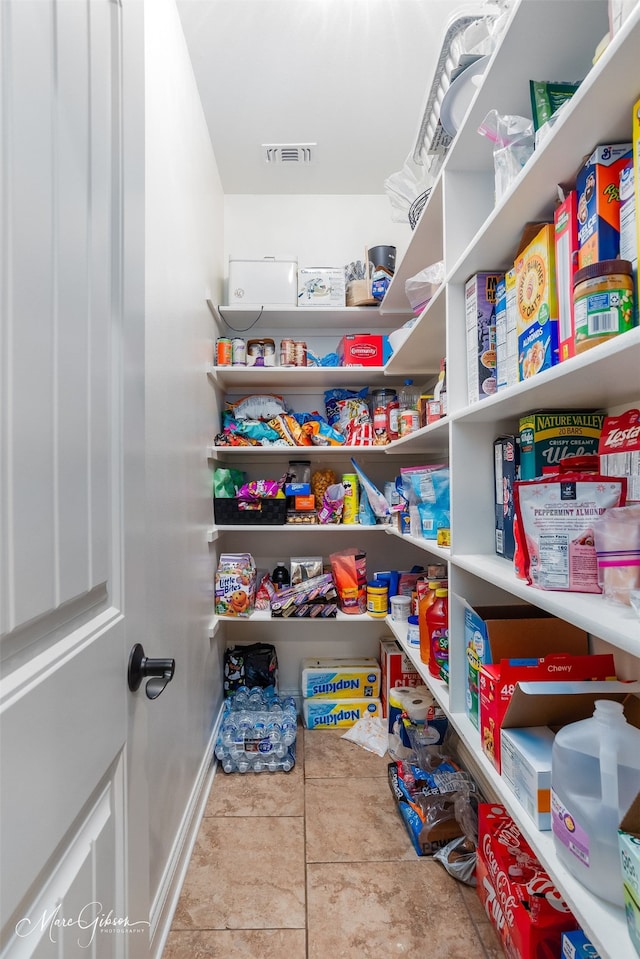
x=536, y=302
x=361, y=349
x=498, y=681
x=321, y=286
x=271, y=281
x=575, y=945
x=528, y=912
x=480, y=320
x=331, y=713
x=340, y=678
x=549, y=436
x=598, y=189
x=492, y=633
x=526, y=767
x=396, y=670
x=629, y=845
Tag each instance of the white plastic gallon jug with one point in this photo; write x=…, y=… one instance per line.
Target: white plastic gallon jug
x=595, y=776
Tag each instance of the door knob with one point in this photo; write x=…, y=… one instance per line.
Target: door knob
x=140, y=666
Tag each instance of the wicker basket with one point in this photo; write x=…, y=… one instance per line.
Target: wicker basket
x=272, y=512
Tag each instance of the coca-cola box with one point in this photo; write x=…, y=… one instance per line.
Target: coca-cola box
x=526, y=909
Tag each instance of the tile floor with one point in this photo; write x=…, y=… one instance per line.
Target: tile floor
x=316, y=863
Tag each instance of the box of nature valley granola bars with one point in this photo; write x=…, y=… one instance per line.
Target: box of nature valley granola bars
x=548, y=436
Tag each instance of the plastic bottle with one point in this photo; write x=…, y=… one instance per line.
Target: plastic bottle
x=423, y=606
x=280, y=576
x=408, y=416
x=438, y=626
x=595, y=776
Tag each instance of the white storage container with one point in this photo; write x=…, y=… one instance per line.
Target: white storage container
x=271, y=281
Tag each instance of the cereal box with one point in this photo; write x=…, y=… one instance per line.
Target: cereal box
x=235, y=584
x=506, y=332
x=537, y=307
x=565, y=220
x=549, y=436
x=480, y=313
x=506, y=470
x=598, y=188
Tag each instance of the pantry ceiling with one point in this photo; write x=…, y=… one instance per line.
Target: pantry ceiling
x=351, y=76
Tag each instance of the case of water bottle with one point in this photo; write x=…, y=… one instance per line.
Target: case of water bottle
x=258, y=732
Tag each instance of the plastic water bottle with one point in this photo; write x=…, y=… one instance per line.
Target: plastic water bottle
x=240, y=699
x=287, y=762
x=256, y=698
x=229, y=732
x=595, y=776
x=289, y=730
x=228, y=765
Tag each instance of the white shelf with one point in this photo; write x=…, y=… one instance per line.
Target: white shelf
x=439, y=689
x=347, y=319
x=428, y=546
x=426, y=344
x=605, y=376
x=284, y=378
x=264, y=616
x=617, y=625
x=301, y=452
x=353, y=528
x=433, y=438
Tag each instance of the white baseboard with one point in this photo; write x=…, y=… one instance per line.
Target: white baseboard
x=166, y=900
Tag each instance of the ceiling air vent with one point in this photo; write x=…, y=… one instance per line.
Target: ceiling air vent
x=289, y=152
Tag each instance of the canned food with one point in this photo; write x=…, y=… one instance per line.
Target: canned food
x=224, y=351
x=287, y=353
x=269, y=352
x=300, y=348
x=409, y=422
x=255, y=348
x=238, y=351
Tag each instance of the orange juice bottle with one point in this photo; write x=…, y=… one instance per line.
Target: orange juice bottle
x=425, y=602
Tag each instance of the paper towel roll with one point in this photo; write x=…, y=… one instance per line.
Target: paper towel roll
x=414, y=700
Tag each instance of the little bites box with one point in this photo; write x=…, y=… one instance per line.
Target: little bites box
x=598, y=189
x=397, y=671
x=480, y=318
x=536, y=302
x=549, y=436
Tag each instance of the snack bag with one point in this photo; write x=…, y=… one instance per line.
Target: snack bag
x=556, y=515
x=349, y=569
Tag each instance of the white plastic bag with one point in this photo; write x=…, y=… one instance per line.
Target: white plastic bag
x=421, y=287
x=513, y=143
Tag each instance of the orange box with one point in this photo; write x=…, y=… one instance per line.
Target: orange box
x=498, y=682
x=598, y=188
x=305, y=502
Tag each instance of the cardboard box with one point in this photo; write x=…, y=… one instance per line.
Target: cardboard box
x=498, y=681
x=526, y=768
x=492, y=633
x=629, y=845
x=359, y=294
x=297, y=489
x=537, y=305
x=636, y=175
x=361, y=349
x=321, y=286
x=340, y=679
x=507, y=332
x=619, y=450
x=337, y=713
x=397, y=670
x=575, y=945
x=519, y=898
x=598, y=188
x=270, y=281
x=506, y=470
x=565, y=220
x=629, y=222
x=549, y=436
x=304, y=502
x=480, y=314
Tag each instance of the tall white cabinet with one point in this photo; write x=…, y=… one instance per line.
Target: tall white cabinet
x=460, y=224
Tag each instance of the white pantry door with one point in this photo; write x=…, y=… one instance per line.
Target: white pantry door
x=71, y=382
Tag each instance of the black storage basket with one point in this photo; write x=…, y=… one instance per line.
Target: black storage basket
x=272, y=512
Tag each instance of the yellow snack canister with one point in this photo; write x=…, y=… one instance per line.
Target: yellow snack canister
x=351, y=504
x=377, y=598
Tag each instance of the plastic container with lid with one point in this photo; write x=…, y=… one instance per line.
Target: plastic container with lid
x=595, y=776
x=408, y=416
x=603, y=302
x=413, y=632
x=400, y=606
x=377, y=598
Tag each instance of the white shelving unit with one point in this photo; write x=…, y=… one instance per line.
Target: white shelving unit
x=461, y=225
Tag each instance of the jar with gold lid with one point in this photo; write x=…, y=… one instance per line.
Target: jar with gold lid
x=603, y=302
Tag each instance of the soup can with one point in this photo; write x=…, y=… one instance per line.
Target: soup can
x=238, y=351
x=224, y=351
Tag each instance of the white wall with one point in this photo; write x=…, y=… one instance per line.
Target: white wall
x=318, y=230
x=184, y=265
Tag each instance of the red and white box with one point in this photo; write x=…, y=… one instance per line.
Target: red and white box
x=619, y=450
x=565, y=220
x=361, y=349
x=497, y=682
x=519, y=898
x=397, y=670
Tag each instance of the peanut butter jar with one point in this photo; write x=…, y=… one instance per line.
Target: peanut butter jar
x=603, y=301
